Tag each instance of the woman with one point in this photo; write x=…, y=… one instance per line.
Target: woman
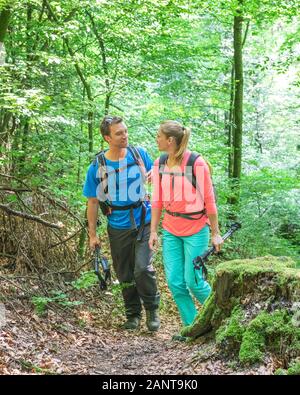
x=189, y=212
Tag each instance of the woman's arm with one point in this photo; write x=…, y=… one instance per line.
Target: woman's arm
x=157, y=206
x=211, y=209
x=216, y=238
x=155, y=218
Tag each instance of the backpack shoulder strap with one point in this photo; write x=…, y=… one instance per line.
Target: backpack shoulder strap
x=103, y=176
x=162, y=162
x=138, y=160
x=163, y=159
x=136, y=154
x=99, y=158
x=189, y=168
x=191, y=175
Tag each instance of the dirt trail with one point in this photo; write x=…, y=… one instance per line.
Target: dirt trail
x=54, y=345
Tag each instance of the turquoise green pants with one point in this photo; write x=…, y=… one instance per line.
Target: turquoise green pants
x=178, y=255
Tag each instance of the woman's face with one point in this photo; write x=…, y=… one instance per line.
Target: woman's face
x=162, y=141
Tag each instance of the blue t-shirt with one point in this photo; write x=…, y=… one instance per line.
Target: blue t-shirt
x=124, y=188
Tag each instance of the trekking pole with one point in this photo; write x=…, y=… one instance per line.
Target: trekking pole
x=99, y=259
x=199, y=261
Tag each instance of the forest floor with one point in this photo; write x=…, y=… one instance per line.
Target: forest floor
x=88, y=339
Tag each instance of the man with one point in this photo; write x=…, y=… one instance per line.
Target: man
x=115, y=181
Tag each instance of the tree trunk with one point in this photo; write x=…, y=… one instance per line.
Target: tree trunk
x=20, y=161
x=104, y=64
x=230, y=124
x=84, y=81
x=4, y=116
x=238, y=106
x=238, y=96
x=4, y=20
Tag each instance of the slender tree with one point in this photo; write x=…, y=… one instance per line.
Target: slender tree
x=236, y=133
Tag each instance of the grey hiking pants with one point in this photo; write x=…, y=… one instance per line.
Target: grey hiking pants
x=132, y=265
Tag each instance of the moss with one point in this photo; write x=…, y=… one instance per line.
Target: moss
x=293, y=370
x=202, y=323
x=231, y=333
x=280, y=372
x=274, y=332
x=253, y=341
x=217, y=316
x=235, y=310
x=252, y=348
x=294, y=348
x=282, y=265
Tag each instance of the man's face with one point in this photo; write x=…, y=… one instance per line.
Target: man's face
x=118, y=135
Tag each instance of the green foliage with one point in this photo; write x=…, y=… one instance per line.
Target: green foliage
x=4, y=4
x=116, y=290
x=34, y=368
x=41, y=303
x=149, y=61
x=85, y=281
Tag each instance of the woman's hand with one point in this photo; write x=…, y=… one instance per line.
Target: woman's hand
x=217, y=241
x=153, y=241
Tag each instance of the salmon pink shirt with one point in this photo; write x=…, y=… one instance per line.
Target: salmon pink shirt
x=176, y=194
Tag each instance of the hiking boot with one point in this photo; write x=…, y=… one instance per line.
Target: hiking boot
x=152, y=320
x=132, y=323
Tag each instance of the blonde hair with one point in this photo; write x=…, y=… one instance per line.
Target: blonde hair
x=181, y=135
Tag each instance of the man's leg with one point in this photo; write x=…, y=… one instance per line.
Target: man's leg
x=122, y=251
x=145, y=279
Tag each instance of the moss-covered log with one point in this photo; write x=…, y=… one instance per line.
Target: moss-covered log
x=254, y=307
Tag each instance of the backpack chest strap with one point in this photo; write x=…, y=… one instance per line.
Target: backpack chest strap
x=173, y=173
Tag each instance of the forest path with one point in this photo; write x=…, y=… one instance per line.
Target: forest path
x=54, y=345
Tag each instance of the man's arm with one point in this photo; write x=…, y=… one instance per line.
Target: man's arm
x=92, y=216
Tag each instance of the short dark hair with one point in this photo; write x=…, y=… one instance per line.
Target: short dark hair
x=106, y=122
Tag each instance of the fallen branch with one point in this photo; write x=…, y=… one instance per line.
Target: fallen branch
x=51, y=200
x=67, y=239
x=7, y=255
x=15, y=178
x=29, y=217
x=11, y=189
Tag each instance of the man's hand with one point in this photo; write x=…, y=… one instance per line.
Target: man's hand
x=94, y=242
x=153, y=241
x=217, y=241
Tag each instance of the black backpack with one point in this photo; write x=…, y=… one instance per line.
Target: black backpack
x=190, y=175
x=107, y=206
x=190, y=165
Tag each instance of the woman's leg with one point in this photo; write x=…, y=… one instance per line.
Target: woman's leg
x=195, y=245
x=173, y=257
